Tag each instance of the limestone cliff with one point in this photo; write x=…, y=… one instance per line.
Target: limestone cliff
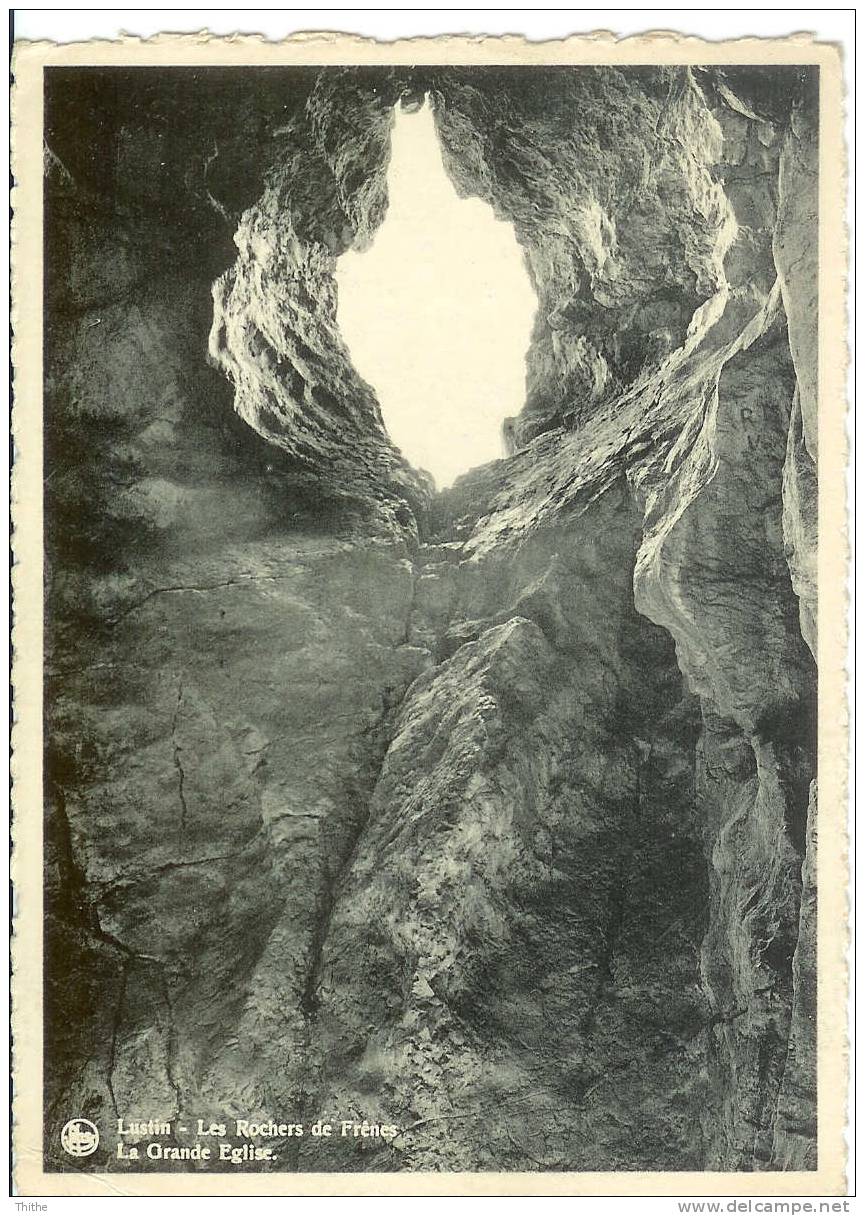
x=488, y=814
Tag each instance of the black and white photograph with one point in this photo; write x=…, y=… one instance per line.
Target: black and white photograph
x=429, y=730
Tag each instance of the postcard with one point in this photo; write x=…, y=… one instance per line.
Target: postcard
x=422, y=577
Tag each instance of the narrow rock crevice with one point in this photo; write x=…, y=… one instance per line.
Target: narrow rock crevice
x=116, y=1025
x=178, y=763
x=504, y=798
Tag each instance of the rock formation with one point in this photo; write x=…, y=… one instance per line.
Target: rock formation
x=487, y=814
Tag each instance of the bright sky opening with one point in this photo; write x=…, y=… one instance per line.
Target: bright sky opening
x=438, y=312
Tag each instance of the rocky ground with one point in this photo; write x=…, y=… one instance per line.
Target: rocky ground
x=489, y=814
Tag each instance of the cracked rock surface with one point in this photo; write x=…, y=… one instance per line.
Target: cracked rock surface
x=488, y=814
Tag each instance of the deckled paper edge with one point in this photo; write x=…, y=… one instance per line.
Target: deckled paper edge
x=324, y=48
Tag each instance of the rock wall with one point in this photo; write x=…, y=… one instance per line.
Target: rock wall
x=487, y=814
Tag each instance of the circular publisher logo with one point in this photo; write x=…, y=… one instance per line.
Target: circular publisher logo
x=80, y=1137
